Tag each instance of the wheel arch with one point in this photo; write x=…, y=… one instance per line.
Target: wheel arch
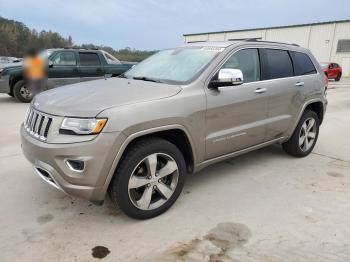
x=176, y=134
x=13, y=80
x=317, y=107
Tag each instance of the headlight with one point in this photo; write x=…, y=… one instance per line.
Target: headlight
x=82, y=126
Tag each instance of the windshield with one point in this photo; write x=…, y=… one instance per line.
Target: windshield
x=174, y=66
x=45, y=54
x=110, y=59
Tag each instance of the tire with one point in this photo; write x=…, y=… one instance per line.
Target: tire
x=126, y=189
x=21, y=93
x=338, y=77
x=303, y=147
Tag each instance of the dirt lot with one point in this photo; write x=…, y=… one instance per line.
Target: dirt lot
x=263, y=206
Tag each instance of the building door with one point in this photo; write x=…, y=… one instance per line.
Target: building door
x=346, y=66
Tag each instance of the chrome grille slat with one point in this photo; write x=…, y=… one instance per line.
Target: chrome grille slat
x=30, y=118
x=46, y=119
x=40, y=124
x=37, y=124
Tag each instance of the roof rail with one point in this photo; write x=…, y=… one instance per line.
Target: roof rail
x=81, y=48
x=264, y=41
x=245, y=39
x=256, y=39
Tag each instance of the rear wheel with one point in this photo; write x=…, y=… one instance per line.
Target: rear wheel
x=21, y=92
x=304, y=137
x=149, y=179
x=338, y=77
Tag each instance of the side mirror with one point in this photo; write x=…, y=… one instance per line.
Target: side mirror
x=227, y=77
x=50, y=64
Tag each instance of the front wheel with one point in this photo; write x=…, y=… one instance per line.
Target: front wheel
x=149, y=178
x=338, y=77
x=21, y=92
x=304, y=137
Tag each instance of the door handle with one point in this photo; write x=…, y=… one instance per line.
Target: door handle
x=260, y=90
x=299, y=83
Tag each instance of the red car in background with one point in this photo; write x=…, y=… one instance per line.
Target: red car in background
x=332, y=70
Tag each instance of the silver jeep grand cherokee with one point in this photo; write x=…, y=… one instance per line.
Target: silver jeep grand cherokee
x=178, y=111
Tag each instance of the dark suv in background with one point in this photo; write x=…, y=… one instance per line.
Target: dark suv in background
x=65, y=66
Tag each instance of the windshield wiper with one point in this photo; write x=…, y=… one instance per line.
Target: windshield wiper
x=145, y=78
x=122, y=76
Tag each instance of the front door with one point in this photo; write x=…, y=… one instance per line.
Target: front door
x=236, y=115
x=63, y=69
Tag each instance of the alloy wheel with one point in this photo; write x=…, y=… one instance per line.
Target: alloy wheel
x=153, y=181
x=307, y=134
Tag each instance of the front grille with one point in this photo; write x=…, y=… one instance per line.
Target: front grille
x=37, y=124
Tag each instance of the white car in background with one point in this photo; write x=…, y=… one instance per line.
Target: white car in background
x=6, y=61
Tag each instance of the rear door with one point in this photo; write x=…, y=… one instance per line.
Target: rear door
x=90, y=66
x=63, y=69
x=291, y=75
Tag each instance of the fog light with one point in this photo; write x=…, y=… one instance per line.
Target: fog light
x=75, y=165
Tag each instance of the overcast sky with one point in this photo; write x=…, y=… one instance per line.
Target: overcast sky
x=157, y=24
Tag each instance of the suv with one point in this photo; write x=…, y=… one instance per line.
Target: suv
x=65, y=66
x=176, y=112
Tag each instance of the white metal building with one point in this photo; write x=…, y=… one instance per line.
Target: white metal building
x=328, y=41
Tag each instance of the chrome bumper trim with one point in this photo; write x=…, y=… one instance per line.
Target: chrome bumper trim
x=50, y=180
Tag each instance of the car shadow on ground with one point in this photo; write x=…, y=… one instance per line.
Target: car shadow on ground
x=58, y=202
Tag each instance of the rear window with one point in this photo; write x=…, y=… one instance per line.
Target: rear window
x=278, y=63
x=303, y=64
x=89, y=59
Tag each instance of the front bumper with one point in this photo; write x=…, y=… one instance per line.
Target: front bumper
x=49, y=162
x=4, y=84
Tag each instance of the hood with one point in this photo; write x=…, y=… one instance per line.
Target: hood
x=88, y=99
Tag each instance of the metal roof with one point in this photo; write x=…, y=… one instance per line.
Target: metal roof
x=274, y=27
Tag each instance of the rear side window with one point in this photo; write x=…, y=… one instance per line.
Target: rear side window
x=303, y=64
x=277, y=64
x=89, y=59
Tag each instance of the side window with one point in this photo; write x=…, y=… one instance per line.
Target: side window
x=247, y=60
x=303, y=64
x=278, y=64
x=89, y=59
x=64, y=58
